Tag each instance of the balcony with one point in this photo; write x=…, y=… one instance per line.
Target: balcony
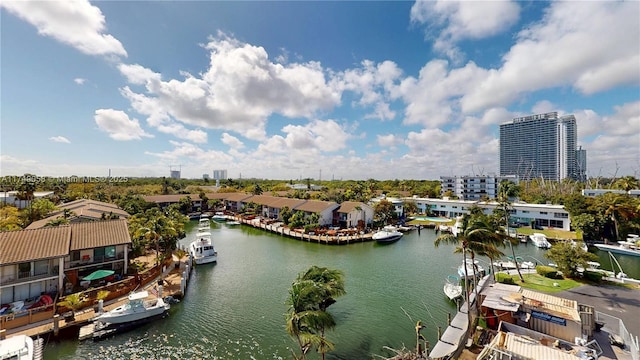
x=26, y=276
x=88, y=261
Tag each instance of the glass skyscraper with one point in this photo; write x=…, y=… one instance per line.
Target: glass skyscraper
x=540, y=146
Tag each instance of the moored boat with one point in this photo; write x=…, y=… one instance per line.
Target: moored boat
x=540, y=240
x=452, y=287
x=387, y=234
x=219, y=216
x=470, y=266
x=629, y=247
x=136, y=309
x=19, y=347
x=201, y=249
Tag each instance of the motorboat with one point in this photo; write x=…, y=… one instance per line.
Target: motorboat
x=540, y=240
x=19, y=347
x=204, y=222
x=387, y=234
x=201, y=249
x=137, y=309
x=629, y=247
x=452, y=287
x=219, y=216
x=233, y=223
x=470, y=265
x=510, y=264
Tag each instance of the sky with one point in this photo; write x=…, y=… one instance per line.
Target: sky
x=349, y=90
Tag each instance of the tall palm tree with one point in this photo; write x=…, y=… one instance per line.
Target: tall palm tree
x=507, y=190
x=476, y=234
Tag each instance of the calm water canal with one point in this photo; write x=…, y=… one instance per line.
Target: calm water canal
x=235, y=308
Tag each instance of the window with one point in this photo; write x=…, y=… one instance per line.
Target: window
x=110, y=252
x=98, y=253
x=561, y=215
x=525, y=211
x=543, y=213
x=75, y=255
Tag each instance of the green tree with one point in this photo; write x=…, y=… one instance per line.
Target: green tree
x=627, y=183
x=285, y=214
x=384, y=212
x=410, y=207
x=257, y=190
x=309, y=297
x=569, y=257
x=10, y=218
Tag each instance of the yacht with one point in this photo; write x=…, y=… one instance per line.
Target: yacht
x=201, y=249
x=629, y=247
x=219, y=216
x=137, y=309
x=540, y=240
x=388, y=234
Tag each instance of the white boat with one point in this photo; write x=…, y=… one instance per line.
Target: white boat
x=204, y=222
x=629, y=247
x=19, y=347
x=135, y=310
x=219, y=216
x=201, y=249
x=234, y=222
x=452, y=287
x=388, y=234
x=509, y=264
x=540, y=240
x=470, y=266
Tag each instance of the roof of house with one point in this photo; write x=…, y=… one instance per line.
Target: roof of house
x=171, y=198
x=237, y=196
x=316, y=206
x=348, y=206
x=565, y=308
x=498, y=297
x=24, y=245
x=82, y=208
x=88, y=235
x=528, y=348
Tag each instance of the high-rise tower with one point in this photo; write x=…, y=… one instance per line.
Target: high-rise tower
x=541, y=146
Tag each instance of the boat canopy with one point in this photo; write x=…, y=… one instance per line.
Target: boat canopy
x=139, y=295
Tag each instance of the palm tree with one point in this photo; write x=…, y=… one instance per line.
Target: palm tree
x=473, y=237
x=309, y=297
x=506, y=190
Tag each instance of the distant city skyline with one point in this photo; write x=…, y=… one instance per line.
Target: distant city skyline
x=291, y=90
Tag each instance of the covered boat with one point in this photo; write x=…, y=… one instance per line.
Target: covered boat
x=388, y=234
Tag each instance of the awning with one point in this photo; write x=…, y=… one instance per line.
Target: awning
x=98, y=274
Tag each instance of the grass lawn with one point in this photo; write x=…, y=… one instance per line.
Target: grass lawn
x=552, y=233
x=540, y=283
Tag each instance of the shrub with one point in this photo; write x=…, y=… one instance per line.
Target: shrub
x=548, y=272
x=505, y=279
x=593, y=276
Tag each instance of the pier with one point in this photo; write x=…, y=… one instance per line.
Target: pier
x=277, y=227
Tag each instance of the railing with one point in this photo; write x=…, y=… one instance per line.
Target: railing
x=93, y=260
x=616, y=326
x=25, y=276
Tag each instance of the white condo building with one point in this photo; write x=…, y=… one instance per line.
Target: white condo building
x=474, y=187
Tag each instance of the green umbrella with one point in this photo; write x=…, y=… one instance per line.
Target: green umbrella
x=98, y=274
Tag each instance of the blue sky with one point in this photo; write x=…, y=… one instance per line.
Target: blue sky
x=289, y=90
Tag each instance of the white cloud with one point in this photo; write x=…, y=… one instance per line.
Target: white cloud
x=193, y=155
x=316, y=137
x=459, y=20
x=375, y=85
x=118, y=125
x=238, y=92
x=76, y=23
x=231, y=141
x=389, y=140
x=565, y=50
x=79, y=81
x=60, y=139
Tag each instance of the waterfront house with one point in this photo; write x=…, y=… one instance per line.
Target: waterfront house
x=51, y=260
x=542, y=215
x=82, y=210
x=324, y=209
x=354, y=214
x=95, y=246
